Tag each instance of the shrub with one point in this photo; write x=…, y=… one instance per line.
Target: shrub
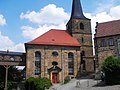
x=19, y=78
x=111, y=67
x=37, y=83
x=9, y=85
x=29, y=84
x=67, y=79
x=43, y=83
x=1, y=85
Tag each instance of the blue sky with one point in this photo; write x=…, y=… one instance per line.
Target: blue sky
x=23, y=20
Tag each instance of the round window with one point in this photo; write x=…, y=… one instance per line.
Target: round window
x=55, y=53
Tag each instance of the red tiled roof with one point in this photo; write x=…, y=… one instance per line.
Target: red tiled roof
x=108, y=28
x=55, y=37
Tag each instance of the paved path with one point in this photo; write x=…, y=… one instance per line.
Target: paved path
x=85, y=84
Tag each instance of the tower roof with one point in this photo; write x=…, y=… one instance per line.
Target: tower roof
x=77, y=12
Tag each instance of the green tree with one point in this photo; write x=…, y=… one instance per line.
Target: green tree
x=111, y=67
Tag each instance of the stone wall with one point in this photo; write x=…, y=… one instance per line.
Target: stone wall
x=102, y=52
x=84, y=37
x=47, y=59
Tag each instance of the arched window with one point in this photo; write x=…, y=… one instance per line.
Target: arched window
x=82, y=40
x=70, y=63
x=83, y=53
x=37, y=63
x=84, y=65
x=81, y=26
x=83, y=60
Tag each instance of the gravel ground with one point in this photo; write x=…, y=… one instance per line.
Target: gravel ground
x=84, y=84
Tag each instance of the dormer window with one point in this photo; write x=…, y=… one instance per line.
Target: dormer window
x=81, y=26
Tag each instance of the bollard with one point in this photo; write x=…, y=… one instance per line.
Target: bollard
x=78, y=84
x=97, y=82
x=87, y=83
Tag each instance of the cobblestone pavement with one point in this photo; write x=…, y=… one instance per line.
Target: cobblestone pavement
x=84, y=84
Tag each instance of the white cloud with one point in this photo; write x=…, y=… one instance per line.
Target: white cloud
x=18, y=47
x=7, y=44
x=102, y=6
x=2, y=20
x=5, y=41
x=49, y=14
x=52, y=17
x=105, y=16
x=31, y=33
x=115, y=11
x=49, y=17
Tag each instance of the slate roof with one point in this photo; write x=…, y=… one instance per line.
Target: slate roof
x=108, y=28
x=11, y=53
x=77, y=12
x=55, y=37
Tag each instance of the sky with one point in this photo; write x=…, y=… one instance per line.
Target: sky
x=23, y=20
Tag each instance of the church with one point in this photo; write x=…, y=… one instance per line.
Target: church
x=60, y=53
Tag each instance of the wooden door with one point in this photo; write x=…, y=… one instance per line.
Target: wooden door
x=54, y=78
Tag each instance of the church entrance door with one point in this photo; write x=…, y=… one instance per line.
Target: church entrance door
x=54, y=77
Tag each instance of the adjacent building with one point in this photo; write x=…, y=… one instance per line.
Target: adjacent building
x=107, y=40
x=61, y=53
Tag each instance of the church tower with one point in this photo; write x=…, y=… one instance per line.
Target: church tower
x=80, y=28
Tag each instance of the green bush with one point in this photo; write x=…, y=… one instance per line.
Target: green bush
x=19, y=78
x=67, y=79
x=111, y=67
x=2, y=85
x=30, y=83
x=9, y=85
x=37, y=83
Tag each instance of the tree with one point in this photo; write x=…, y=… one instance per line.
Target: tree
x=13, y=75
x=111, y=67
x=2, y=73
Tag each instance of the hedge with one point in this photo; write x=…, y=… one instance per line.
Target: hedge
x=111, y=67
x=37, y=83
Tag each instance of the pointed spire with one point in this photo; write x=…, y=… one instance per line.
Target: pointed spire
x=77, y=10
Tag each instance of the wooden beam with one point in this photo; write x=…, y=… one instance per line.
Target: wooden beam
x=13, y=63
